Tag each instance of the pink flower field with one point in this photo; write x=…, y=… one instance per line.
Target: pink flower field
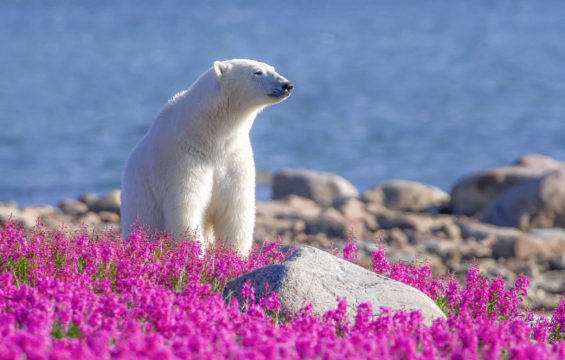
x=152, y=296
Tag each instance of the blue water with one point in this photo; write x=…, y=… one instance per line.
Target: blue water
x=392, y=89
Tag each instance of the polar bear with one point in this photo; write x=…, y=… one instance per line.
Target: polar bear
x=194, y=169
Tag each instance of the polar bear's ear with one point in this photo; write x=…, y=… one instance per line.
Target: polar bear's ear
x=220, y=68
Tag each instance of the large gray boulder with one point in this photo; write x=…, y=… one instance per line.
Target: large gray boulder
x=471, y=195
x=537, y=203
x=323, y=188
x=406, y=195
x=312, y=275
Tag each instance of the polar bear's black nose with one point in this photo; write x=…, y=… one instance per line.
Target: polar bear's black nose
x=288, y=87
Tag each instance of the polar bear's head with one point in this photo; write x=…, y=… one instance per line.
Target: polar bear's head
x=252, y=83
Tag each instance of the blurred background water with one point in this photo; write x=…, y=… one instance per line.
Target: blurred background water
x=389, y=89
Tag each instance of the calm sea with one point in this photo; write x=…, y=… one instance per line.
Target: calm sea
x=392, y=89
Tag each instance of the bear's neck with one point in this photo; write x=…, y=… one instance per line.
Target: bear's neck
x=216, y=121
x=206, y=117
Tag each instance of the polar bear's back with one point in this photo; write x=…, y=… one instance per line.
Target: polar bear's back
x=161, y=155
x=138, y=198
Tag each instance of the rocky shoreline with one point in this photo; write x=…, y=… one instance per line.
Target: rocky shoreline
x=511, y=220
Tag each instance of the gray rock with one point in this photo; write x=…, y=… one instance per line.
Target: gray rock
x=292, y=207
x=544, y=300
x=323, y=188
x=406, y=196
x=89, y=199
x=331, y=222
x=437, y=209
x=73, y=207
x=551, y=282
x=405, y=254
x=557, y=262
x=314, y=275
x=9, y=204
x=9, y=212
x=388, y=219
x=554, y=233
x=528, y=267
x=471, y=195
x=47, y=210
x=481, y=231
x=397, y=237
x=448, y=250
x=26, y=218
x=491, y=268
x=109, y=217
x=369, y=247
x=110, y=202
x=354, y=210
x=108, y=227
x=539, y=161
x=89, y=219
x=504, y=248
x=536, y=203
x=528, y=247
x=448, y=226
x=475, y=249
x=284, y=218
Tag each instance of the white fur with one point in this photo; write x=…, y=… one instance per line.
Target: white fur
x=194, y=169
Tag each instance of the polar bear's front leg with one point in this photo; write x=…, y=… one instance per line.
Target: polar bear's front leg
x=236, y=226
x=186, y=203
x=234, y=218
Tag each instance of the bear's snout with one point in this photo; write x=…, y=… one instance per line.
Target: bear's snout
x=287, y=87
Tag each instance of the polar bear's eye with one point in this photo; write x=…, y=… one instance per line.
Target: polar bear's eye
x=258, y=72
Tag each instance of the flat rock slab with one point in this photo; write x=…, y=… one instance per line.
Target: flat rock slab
x=312, y=275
